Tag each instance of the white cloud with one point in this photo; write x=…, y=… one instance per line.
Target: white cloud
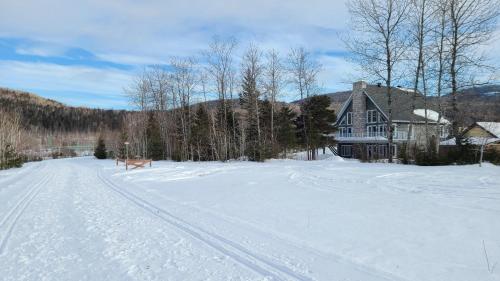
x=155, y=28
x=150, y=31
x=107, y=83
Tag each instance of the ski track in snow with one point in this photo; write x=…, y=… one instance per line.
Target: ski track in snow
x=253, y=261
x=287, y=241
x=8, y=223
x=83, y=219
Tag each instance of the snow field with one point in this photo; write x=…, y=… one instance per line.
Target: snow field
x=84, y=219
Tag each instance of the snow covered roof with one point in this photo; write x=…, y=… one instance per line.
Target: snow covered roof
x=431, y=115
x=492, y=127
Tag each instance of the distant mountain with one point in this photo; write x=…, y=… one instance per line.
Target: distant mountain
x=46, y=114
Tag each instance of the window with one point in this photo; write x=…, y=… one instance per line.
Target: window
x=382, y=130
x=372, y=131
x=345, y=131
x=342, y=121
x=349, y=131
x=346, y=150
x=349, y=118
x=380, y=117
x=382, y=151
x=442, y=132
x=371, y=116
x=371, y=151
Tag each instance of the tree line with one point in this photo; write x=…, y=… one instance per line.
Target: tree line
x=227, y=106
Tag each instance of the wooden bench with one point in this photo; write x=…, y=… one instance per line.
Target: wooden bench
x=137, y=163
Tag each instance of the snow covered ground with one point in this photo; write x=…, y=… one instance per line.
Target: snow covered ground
x=85, y=219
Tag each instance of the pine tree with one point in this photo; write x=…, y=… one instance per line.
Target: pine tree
x=200, y=135
x=100, y=150
x=317, y=122
x=249, y=101
x=153, y=135
x=268, y=148
x=286, y=134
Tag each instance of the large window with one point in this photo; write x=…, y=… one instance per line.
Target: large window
x=346, y=150
x=372, y=131
x=345, y=132
x=349, y=118
x=382, y=130
x=371, y=116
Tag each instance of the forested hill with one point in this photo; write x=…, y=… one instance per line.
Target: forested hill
x=38, y=112
x=476, y=104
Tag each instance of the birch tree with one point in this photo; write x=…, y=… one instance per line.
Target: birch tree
x=274, y=82
x=471, y=25
x=219, y=57
x=303, y=72
x=380, y=43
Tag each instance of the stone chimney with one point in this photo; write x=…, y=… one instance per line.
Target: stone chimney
x=359, y=107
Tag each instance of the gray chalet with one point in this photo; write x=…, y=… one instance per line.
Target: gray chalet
x=362, y=121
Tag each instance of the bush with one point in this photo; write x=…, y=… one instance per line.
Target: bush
x=100, y=150
x=11, y=158
x=492, y=155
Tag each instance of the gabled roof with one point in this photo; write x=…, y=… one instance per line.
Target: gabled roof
x=492, y=127
x=402, y=100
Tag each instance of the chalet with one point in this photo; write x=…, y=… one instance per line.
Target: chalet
x=480, y=133
x=362, y=121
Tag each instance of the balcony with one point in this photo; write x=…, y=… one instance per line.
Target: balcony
x=372, y=136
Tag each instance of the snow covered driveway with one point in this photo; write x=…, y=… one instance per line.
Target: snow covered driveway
x=84, y=219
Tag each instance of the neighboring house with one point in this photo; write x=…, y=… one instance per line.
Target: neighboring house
x=362, y=121
x=480, y=133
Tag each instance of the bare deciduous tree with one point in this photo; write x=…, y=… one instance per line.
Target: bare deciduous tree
x=220, y=68
x=380, y=43
x=303, y=70
x=274, y=82
x=471, y=24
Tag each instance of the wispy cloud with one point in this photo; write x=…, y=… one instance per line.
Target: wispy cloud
x=95, y=42
x=91, y=83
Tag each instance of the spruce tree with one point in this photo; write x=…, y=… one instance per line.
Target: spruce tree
x=200, y=135
x=267, y=147
x=317, y=122
x=250, y=102
x=286, y=134
x=154, y=141
x=100, y=150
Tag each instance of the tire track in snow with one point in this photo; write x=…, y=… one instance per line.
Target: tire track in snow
x=17, y=211
x=258, y=264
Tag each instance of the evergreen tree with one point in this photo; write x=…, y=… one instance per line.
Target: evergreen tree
x=268, y=148
x=11, y=158
x=200, y=135
x=316, y=122
x=286, y=134
x=249, y=101
x=100, y=150
x=153, y=135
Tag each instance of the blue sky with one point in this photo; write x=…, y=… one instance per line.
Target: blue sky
x=87, y=52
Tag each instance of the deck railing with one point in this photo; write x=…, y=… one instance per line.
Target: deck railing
x=372, y=135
